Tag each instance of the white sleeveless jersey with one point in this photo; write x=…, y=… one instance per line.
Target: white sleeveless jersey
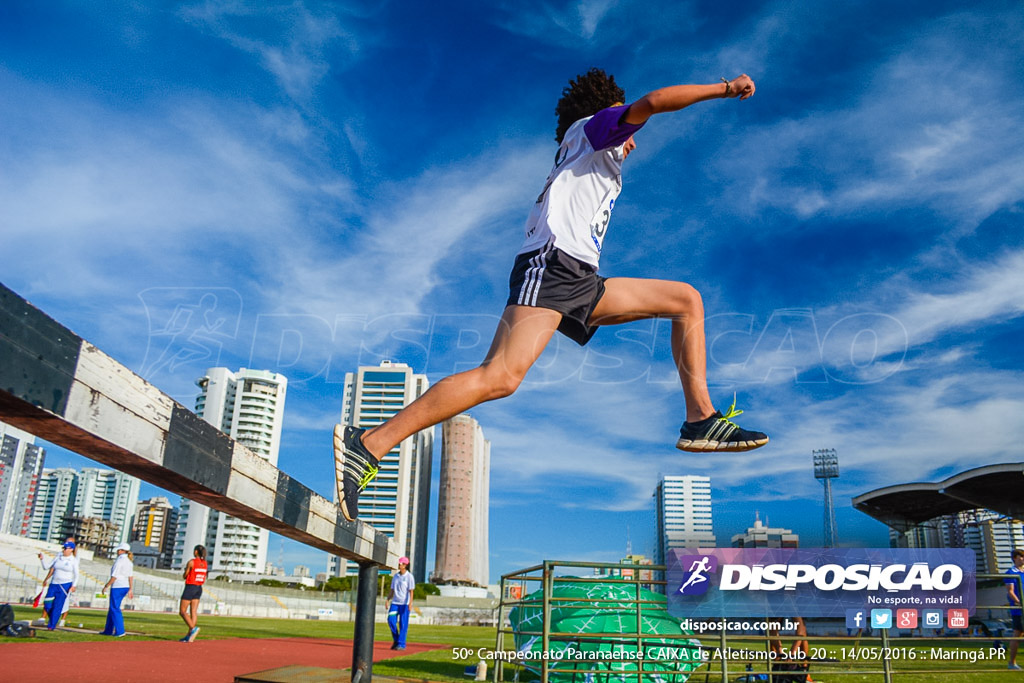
x=576, y=204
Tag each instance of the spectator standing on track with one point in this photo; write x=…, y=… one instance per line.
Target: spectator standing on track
x=121, y=586
x=1013, y=585
x=64, y=572
x=195, y=577
x=399, y=602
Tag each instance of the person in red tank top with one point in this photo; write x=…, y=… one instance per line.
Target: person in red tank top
x=195, y=577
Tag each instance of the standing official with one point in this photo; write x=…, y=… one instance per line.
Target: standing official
x=121, y=586
x=399, y=602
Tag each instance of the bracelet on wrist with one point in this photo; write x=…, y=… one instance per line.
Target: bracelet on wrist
x=728, y=86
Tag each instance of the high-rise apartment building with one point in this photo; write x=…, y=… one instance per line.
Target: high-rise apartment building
x=761, y=536
x=54, y=501
x=397, y=502
x=461, y=557
x=21, y=464
x=156, y=523
x=108, y=495
x=69, y=501
x=247, y=405
x=683, y=506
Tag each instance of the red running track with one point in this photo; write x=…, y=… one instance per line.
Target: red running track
x=159, y=661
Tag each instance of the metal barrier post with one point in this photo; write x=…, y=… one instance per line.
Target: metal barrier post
x=366, y=608
x=722, y=653
x=886, y=662
x=546, y=629
x=639, y=631
x=499, y=665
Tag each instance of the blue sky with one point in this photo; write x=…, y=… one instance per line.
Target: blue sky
x=324, y=185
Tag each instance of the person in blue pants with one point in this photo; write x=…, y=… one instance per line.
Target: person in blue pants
x=399, y=602
x=64, y=572
x=121, y=587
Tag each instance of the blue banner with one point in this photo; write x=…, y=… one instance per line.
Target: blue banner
x=822, y=582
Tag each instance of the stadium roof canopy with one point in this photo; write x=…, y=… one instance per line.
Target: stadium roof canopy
x=904, y=506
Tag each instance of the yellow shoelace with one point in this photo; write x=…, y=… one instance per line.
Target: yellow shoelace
x=732, y=412
x=369, y=475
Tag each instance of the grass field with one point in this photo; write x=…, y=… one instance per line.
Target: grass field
x=441, y=665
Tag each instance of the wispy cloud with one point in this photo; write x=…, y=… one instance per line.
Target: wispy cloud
x=391, y=263
x=291, y=40
x=129, y=195
x=907, y=138
x=577, y=23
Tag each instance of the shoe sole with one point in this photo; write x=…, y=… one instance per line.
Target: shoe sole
x=718, y=447
x=339, y=470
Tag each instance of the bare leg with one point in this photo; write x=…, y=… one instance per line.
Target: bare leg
x=522, y=334
x=183, y=613
x=629, y=299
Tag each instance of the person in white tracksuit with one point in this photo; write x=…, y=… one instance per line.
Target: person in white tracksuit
x=121, y=585
x=46, y=565
x=64, y=572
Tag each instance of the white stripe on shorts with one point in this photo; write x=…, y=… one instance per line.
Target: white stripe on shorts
x=534, y=275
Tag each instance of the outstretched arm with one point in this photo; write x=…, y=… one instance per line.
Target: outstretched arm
x=676, y=97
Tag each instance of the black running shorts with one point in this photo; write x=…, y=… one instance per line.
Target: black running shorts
x=550, y=278
x=192, y=592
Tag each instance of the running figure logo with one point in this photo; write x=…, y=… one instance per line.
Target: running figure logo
x=696, y=581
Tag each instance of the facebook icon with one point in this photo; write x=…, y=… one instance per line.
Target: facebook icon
x=855, y=618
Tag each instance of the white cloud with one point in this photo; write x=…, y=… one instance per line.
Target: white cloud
x=941, y=145
x=138, y=198
x=900, y=135
x=577, y=22
x=391, y=262
x=293, y=45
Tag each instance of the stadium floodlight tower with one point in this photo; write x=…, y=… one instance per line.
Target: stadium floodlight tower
x=826, y=468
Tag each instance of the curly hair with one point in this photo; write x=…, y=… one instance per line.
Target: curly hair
x=588, y=94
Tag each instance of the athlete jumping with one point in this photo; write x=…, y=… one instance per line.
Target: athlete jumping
x=555, y=286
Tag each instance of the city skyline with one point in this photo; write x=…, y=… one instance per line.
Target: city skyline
x=312, y=187
x=70, y=502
